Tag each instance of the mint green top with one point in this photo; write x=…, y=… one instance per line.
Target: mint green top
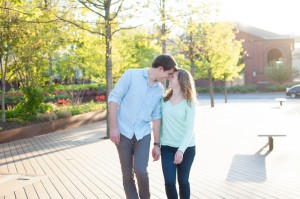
x=178, y=125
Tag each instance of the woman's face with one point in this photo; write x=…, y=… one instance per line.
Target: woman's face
x=173, y=80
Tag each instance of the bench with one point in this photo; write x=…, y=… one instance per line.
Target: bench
x=280, y=100
x=270, y=139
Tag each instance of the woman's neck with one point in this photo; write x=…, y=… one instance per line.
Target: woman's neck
x=177, y=94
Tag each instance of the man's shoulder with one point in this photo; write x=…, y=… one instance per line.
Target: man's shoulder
x=137, y=70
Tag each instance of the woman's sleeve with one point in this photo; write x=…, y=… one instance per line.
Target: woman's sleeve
x=190, y=120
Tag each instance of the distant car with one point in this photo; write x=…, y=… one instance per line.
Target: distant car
x=293, y=91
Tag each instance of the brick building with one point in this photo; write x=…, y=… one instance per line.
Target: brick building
x=263, y=47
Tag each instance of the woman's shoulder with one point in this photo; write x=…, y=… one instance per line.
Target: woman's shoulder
x=190, y=104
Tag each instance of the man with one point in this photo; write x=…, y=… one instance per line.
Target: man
x=134, y=103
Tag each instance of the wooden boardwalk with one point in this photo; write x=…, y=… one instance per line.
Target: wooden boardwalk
x=231, y=161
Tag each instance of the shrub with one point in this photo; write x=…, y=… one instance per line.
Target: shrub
x=45, y=108
x=276, y=88
x=19, y=120
x=63, y=114
x=33, y=98
x=75, y=111
x=46, y=116
x=11, y=114
x=242, y=89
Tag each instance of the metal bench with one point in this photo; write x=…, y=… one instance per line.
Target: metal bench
x=270, y=139
x=280, y=100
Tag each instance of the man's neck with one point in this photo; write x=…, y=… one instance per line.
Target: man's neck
x=151, y=74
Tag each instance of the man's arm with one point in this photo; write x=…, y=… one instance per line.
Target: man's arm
x=156, y=136
x=113, y=124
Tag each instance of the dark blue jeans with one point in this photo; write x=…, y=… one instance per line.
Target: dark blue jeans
x=183, y=171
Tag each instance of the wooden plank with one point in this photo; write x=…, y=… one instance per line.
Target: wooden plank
x=21, y=155
x=20, y=193
x=3, y=163
x=50, y=169
x=80, y=152
x=16, y=159
x=71, y=181
x=69, y=170
x=37, y=164
x=23, y=167
x=9, y=160
x=86, y=166
x=11, y=196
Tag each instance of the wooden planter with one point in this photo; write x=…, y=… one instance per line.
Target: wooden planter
x=51, y=126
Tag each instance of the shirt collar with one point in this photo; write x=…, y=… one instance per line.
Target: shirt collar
x=146, y=75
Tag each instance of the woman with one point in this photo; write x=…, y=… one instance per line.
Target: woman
x=177, y=135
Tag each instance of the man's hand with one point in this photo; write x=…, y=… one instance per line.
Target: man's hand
x=156, y=153
x=114, y=135
x=178, y=157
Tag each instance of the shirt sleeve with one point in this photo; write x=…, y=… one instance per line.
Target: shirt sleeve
x=118, y=93
x=156, y=113
x=190, y=120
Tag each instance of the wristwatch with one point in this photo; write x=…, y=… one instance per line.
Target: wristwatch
x=156, y=143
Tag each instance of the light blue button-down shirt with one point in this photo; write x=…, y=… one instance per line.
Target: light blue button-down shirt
x=139, y=103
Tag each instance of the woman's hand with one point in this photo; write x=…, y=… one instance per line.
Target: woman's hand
x=178, y=157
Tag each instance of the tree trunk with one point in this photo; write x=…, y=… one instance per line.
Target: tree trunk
x=163, y=27
x=211, y=89
x=225, y=91
x=191, y=55
x=108, y=65
x=3, y=119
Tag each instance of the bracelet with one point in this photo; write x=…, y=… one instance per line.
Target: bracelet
x=156, y=144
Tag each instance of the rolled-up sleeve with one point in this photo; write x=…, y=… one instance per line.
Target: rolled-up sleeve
x=156, y=113
x=117, y=94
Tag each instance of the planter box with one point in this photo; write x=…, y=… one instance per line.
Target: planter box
x=51, y=126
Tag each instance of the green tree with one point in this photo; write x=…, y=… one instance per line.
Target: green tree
x=279, y=73
x=31, y=38
x=134, y=49
x=219, y=53
x=106, y=18
x=11, y=32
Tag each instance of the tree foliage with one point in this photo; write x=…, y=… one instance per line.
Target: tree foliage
x=279, y=73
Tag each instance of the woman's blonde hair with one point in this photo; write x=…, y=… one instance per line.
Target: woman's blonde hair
x=187, y=86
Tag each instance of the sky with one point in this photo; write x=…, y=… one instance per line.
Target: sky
x=279, y=16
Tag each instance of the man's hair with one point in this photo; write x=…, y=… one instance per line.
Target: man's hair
x=166, y=61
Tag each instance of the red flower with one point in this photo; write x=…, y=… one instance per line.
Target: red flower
x=101, y=98
x=62, y=101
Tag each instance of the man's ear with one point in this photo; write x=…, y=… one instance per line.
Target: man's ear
x=160, y=68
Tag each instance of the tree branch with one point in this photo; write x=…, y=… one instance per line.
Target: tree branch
x=86, y=6
x=77, y=25
x=4, y=8
x=127, y=28
x=118, y=10
x=101, y=6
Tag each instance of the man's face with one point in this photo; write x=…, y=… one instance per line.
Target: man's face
x=163, y=75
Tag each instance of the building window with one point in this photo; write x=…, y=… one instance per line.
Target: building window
x=275, y=55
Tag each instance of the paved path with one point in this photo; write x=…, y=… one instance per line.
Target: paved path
x=231, y=161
